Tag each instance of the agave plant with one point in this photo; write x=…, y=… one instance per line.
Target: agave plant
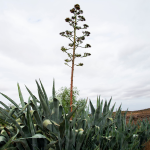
x=50, y=126
x=44, y=126
x=24, y=118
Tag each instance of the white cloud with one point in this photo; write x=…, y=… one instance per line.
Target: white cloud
x=119, y=62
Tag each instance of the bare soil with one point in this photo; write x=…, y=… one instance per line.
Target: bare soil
x=138, y=115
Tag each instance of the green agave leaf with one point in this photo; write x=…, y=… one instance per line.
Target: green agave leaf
x=105, y=107
x=81, y=135
x=12, y=111
x=97, y=115
x=98, y=101
x=45, y=95
x=87, y=131
x=62, y=124
x=97, y=148
x=36, y=148
x=36, y=136
x=60, y=113
x=98, y=121
x=56, y=110
x=3, y=120
x=82, y=108
x=12, y=139
x=67, y=133
x=23, y=110
x=29, y=121
x=10, y=100
x=53, y=89
x=50, y=145
x=12, y=148
x=31, y=125
x=112, y=109
x=10, y=130
x=12, y=119
x=56, y=126
x=92, y=109
x=43, y=103
x=109, y=102
x=101, y=107
x=5, y=105
x=4, y=135
x=2, y=138
x=16, y=115
x=36, y=113
x=52, y=135
x=47, y=124
x=20, y=96
x=33, y=97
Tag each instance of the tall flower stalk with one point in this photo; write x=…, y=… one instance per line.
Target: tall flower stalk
x=75, y=42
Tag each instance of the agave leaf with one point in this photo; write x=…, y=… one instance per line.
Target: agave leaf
x=12, y=111
x=31, y=126
x=52, y=135
x=3, y=119
x=98, y=101
x=47, y=124
x=118, y=112
x=56, y=110
x=43, y=103
x=109, y=102
x=4, y=105
x=36, y=116
x=37, y=113
x=112, y=109
x=60, y=113
x=73, y=135
x=34, y=136
x=88, y=132
x=60, y=142
x=22, y=110
x=92, y=109
x=50, y=145
x=29, y=121
x=105, y=107
x=20, y=96
x=9, y=142
x=56, y=126
x=33, y=97
x=13, y=120
x=101, y=105
x=98, y=121
x=67, y=133
x=81, y=135
x=62, y=124
x=9, y=131
x=53, y=89
x=71, y=139
x=45, y=95
x=10, y=100
x=4, y=135
x=24, y=142
x=81, y=109
x=97, y=115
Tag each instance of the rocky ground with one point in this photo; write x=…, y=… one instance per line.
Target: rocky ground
x=139, y=115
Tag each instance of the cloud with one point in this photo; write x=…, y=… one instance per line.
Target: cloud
x=30, y=49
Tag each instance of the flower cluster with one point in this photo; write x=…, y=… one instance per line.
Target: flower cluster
x=76, y=40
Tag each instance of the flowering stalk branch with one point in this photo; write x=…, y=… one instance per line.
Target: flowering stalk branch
x=75, y=42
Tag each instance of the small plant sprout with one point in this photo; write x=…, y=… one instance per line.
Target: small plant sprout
x=75, y=42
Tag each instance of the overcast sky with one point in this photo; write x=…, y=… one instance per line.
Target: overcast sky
x=119, y=65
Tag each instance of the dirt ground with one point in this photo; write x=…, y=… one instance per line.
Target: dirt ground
x=139, y=115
